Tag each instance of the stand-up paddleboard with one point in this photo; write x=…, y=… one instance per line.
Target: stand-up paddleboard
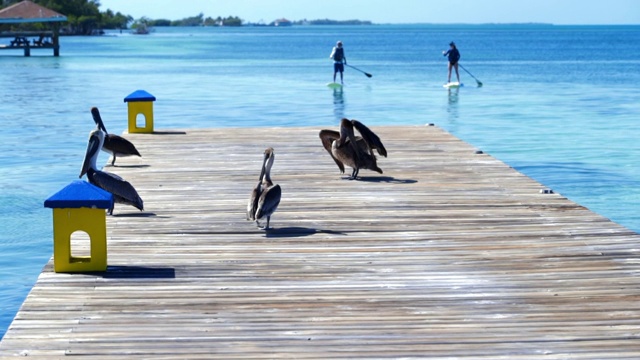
x=453, y=85
x=334, y=85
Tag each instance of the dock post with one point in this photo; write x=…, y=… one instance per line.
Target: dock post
x=79, y=206
x=27, y=50
x=55, y=39
x=140, y=102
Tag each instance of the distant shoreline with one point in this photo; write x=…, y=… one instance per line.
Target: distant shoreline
x=494, y=25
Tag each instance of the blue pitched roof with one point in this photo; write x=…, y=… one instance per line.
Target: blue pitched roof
x=140, y=95
x=80, y=194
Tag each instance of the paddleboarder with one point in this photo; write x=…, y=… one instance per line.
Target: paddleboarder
x=339, y=60
x=454, y=56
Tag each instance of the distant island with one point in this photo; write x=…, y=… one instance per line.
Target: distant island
x=201, y=20
x=331, y=22
x=86, y=18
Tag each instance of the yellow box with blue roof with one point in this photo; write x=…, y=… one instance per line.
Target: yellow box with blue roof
x=140, y=102
x=79, y=206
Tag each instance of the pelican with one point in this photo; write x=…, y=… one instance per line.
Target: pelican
x=123, y=192
x=354, y=151
x=265, y=197
x=113, y=144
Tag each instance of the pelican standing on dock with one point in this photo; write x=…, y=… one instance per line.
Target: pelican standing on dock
x=265, y=197
x=354, y=151
x=113, y=144
x=123, y=192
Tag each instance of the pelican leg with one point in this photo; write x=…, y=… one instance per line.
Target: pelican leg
x=264, y=227
x=354, y=174
x=110, y=212
x=267, y=227
x=113, y=161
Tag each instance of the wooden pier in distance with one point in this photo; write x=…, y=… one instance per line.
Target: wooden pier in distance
x=448, y=254
x=27, y=41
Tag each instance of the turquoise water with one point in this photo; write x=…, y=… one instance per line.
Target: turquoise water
x=559, y=103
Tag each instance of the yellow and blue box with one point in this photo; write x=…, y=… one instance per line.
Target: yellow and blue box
x=79, y=206
x=140, y=102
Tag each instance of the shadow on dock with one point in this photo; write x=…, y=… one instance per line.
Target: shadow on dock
x=296, y=231
x=129, y=166
x=169, y=133
x=385, y=179
x=137, y=272
x=134, y=215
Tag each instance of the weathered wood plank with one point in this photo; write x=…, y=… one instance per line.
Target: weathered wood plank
x=448, y=254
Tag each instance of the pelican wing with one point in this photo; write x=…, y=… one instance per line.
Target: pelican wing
x=372, y=140
x=328, y=137
x=268, y=202
x=121, y=189
x=252, y=206
x=119, y=146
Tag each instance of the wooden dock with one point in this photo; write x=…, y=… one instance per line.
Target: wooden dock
x=448, y=254
x=27, y=41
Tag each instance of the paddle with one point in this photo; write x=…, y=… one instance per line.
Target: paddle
x=366, y=73
x=477, y=81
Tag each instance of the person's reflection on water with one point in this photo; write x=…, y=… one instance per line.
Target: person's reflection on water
x=452, y=108
x=338, y=103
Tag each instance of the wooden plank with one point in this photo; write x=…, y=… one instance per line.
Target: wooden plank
x=448, y=254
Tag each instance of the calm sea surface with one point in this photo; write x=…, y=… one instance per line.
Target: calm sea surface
x=559, y=103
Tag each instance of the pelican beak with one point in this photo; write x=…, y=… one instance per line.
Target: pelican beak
x=264, y=164
x=345, y=125
x=98, y=119
x=93, y=146
x=346, y=132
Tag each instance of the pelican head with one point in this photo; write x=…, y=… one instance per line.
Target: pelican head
x=269, y=157
x=346, y=132
x=96, y=139
x=98, y=119
x=268, y=151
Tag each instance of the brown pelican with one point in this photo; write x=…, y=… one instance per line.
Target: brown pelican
x=265, y=197
x=113, y=144
x=123, y=192
x=354, y=151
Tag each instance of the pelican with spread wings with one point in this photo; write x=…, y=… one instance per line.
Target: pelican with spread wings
x=354, y=151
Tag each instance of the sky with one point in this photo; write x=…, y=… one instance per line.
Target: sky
x=559, y=12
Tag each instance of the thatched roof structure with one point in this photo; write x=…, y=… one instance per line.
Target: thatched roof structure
x=28, y=12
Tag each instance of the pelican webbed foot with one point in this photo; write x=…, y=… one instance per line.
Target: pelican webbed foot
x=267, y=227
